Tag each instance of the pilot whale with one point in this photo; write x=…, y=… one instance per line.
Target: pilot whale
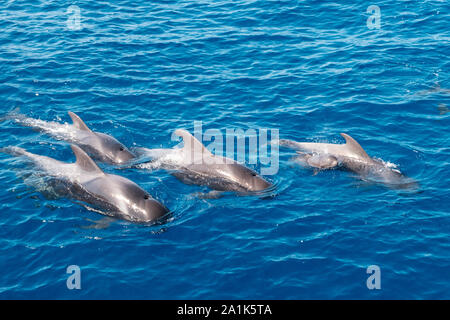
x=195, y=164
x=84, y=181
x=100, y=146
x=350, y=156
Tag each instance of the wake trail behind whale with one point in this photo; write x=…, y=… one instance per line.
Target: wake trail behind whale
x=65, y=131
x=152, y=159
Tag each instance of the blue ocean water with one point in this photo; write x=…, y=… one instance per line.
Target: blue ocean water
x=138, y=70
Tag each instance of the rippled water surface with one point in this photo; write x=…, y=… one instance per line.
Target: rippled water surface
x=138, y=70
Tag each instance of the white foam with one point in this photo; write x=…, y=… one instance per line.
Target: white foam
x=59, y=131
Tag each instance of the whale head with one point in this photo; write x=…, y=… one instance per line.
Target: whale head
x=103, y=146
x=137, y=203
x=111, y=150
x=247, y=178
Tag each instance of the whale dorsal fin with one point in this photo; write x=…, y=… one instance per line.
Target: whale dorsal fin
x=84, y=161
x=191, y=142
x=353, y=146
x=78, y=123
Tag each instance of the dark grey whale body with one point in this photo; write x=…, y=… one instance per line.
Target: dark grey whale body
x=195, y=164
x=100, y=146
x=350, y=156
x=84, y=181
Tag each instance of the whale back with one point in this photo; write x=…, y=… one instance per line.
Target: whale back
x=85, y=162
x=353, y=147
x=220, y=173
x=78, y=123
x=193, y=149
